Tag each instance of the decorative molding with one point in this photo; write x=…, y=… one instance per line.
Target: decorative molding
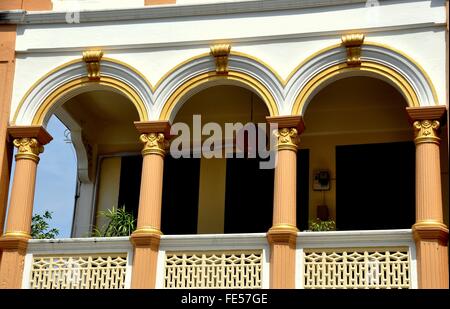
x=378, y=60
x=429, y=230
x=167, y=11
x=38, y=132
x=427, y=113
x=28, y=148
x=10, y=241
x=92, y=59
x=78, y=246
x=149, y=239
x=352, y=43
x=288, y=139
x=357, y=268
x=283, y=234
x=154, y=143
x=214, y=242
x=221, y=52
x=426, y=131
x=352, y=239
x=157, y=126
x=29, y=141
x=115, y=75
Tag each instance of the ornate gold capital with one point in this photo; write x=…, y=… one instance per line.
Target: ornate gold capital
x=28, y=148
x=288, y=139
x=92, y=59
x=352, y=43
x=154, y=143
x=426, y=131
x=221, y=52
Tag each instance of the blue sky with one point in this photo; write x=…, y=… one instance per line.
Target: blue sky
x=56, y=179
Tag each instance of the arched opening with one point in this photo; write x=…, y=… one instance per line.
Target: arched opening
x=206, y=80
x=357, y=131
x=104, y=137
x=217, y=195
x=55, y=184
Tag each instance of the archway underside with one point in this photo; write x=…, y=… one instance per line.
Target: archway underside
x=342, y=70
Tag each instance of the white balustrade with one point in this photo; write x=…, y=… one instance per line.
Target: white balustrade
x=78, y=263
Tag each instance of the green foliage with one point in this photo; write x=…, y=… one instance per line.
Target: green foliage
x=120, y=223
x=318, y=225
x=40, y=226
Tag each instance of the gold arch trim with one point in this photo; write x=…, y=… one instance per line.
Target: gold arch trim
x=199, y=80
x=367, y=67
x=410, y=59
x=142, y=111
x=73, y=85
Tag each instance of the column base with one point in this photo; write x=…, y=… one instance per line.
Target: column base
x=145, y=258
x=282, y=239
x=432, y=254
x=13, y=250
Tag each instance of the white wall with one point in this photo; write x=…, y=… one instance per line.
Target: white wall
x=282, y=39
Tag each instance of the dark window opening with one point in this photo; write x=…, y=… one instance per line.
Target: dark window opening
x=130, y=183
x=375, y=186
x=180, y=195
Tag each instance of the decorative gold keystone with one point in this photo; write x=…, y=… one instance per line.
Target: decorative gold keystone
x=92, y=59
x=221, y=52
x=352, y=43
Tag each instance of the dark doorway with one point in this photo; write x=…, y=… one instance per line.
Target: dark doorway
x=130, y=183
x=248, y=197
x=180, y=195
x=302, y=189
x=180, y=192
x=375, y=186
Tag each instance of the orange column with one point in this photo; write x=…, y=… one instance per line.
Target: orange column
x=29, y=142
x=430, y=233
x=147, y=236
x=7, y=63
x=283, y=233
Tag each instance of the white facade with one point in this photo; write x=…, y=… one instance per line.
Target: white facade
x=410, y=38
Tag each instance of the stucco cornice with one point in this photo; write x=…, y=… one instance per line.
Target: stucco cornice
x=168, y=11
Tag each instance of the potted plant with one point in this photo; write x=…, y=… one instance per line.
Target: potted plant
x=120, y=223
x=318, y=225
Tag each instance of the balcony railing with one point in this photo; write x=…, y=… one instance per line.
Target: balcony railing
x=214, y=261
x=79, y=263
x=356, y=259
x=352, y=259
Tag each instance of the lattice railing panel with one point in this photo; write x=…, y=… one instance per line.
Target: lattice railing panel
x=219, y=270
x=79, y=272
x=367, y=268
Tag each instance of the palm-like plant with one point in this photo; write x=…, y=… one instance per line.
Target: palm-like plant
x=319, y=225
x=120, y=223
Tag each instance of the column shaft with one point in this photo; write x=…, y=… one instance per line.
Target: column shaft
x=430, y=233
x=13, y=243
x=151, y=192
x=282, y=235
x=285, y=200
x=428, y=183
x=22, y=197
x=147, y=236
